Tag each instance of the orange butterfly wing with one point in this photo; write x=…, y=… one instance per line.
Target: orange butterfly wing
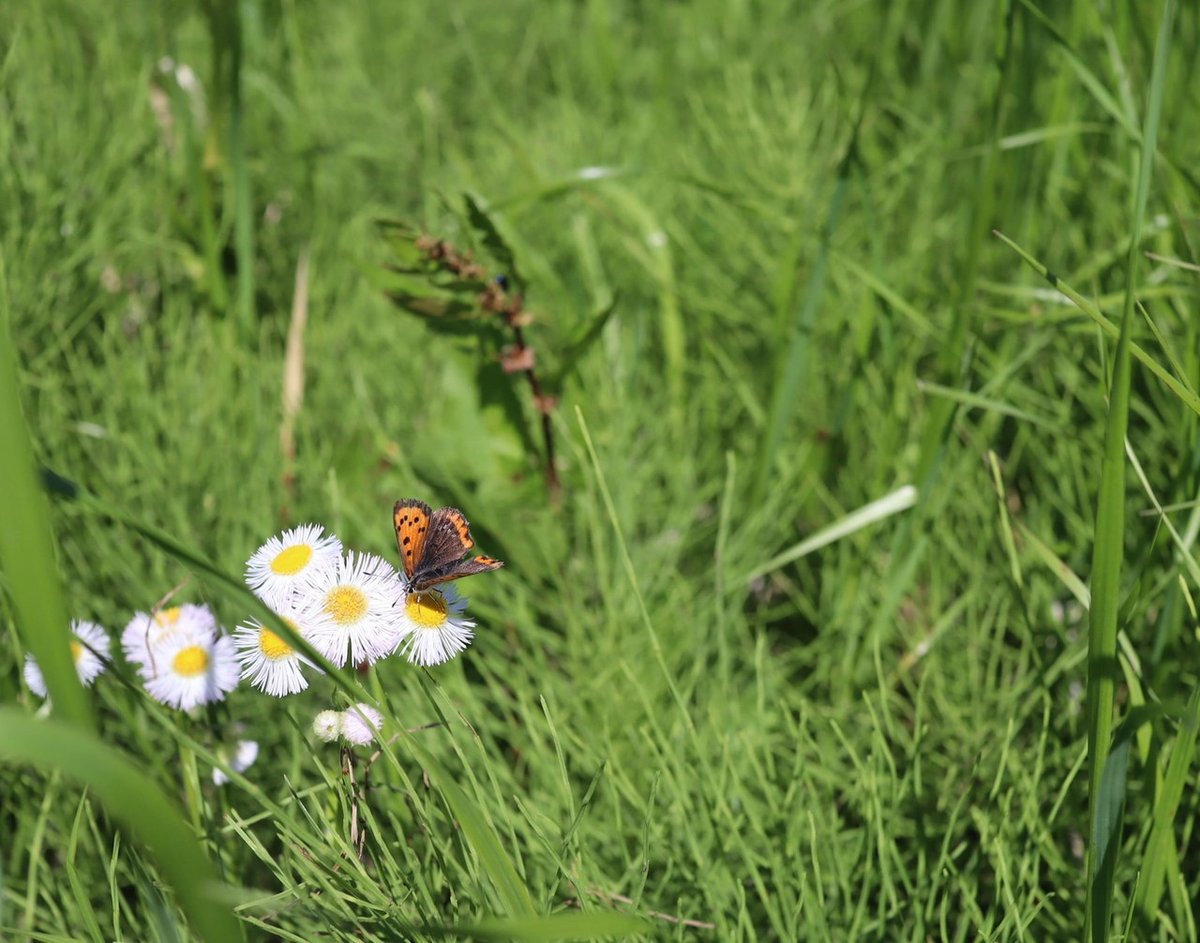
x=411, y=518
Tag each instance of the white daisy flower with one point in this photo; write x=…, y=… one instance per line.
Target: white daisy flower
x=285, y=562
x=361, y=723
x=89, y=651
x=432, y=626
x=145, y=632
x=268, y=661
x=242, y=760
x=189, y=669
x=327, y=725
x=349, y=610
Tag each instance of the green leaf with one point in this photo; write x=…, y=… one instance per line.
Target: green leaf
x=436, y=309
x=27, y=545
x=482, y=222
x=121, y=785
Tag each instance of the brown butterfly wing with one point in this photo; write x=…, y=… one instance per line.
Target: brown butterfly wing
x=456, y=570
x=413, y=520
x=449, y=539
x=446, y=551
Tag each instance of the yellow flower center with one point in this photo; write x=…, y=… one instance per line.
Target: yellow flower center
x=346, y=604
x=191, y=661
x=427, y=609
x=272, y=645
x=168, y=616
x=291, y=560
x=76, y=650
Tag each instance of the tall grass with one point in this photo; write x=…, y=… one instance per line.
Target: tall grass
x=801, y=654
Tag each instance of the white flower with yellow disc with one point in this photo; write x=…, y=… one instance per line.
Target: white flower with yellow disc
x=191, y=668
x=145, y=631
x=432, y=627
x=268, y=662
x=348, y=610
x=285, y=563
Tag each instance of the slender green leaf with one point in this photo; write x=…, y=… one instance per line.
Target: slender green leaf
x=1177, y=386
x=513, y=893
x=482, y=221
x=1160, y=848
x=1108, y=553
x=792, y=366
x=122, y=787
x=575, y=350
x=26, y=543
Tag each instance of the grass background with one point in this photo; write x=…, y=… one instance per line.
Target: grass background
x=881, y=739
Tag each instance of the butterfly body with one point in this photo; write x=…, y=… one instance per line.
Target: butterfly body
x=434, y=545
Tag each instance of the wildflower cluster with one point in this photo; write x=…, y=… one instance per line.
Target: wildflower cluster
x=353, y=608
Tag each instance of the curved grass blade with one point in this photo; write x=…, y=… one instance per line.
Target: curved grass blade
x=1176, y=386
x=1159, y=848
x=127, y=795
x=513, y=893
x=575, y=350
x=27, y=546
x=653, y=251
x=1109, y=549
x=896, y=501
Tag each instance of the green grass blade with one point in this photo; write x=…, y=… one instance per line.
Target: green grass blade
x=953, y=351
x=1109, y=549
x=581, y=926
x=243, y=209
x=1073, y=584
x=1160, y=846
x=654, y=251
x=126, y=793
x=1006, y=534
x=1089, y=79
x=27, y=547
x=496, y=863
x=1179, y=387
x=631, y=573
x=967, y=398
x=793, y=365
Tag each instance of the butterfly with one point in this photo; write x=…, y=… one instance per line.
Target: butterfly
x=433, y=545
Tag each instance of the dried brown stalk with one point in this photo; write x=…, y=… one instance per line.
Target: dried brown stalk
x=293, y=379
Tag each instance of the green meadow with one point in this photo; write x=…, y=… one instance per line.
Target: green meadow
x=859, y=598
